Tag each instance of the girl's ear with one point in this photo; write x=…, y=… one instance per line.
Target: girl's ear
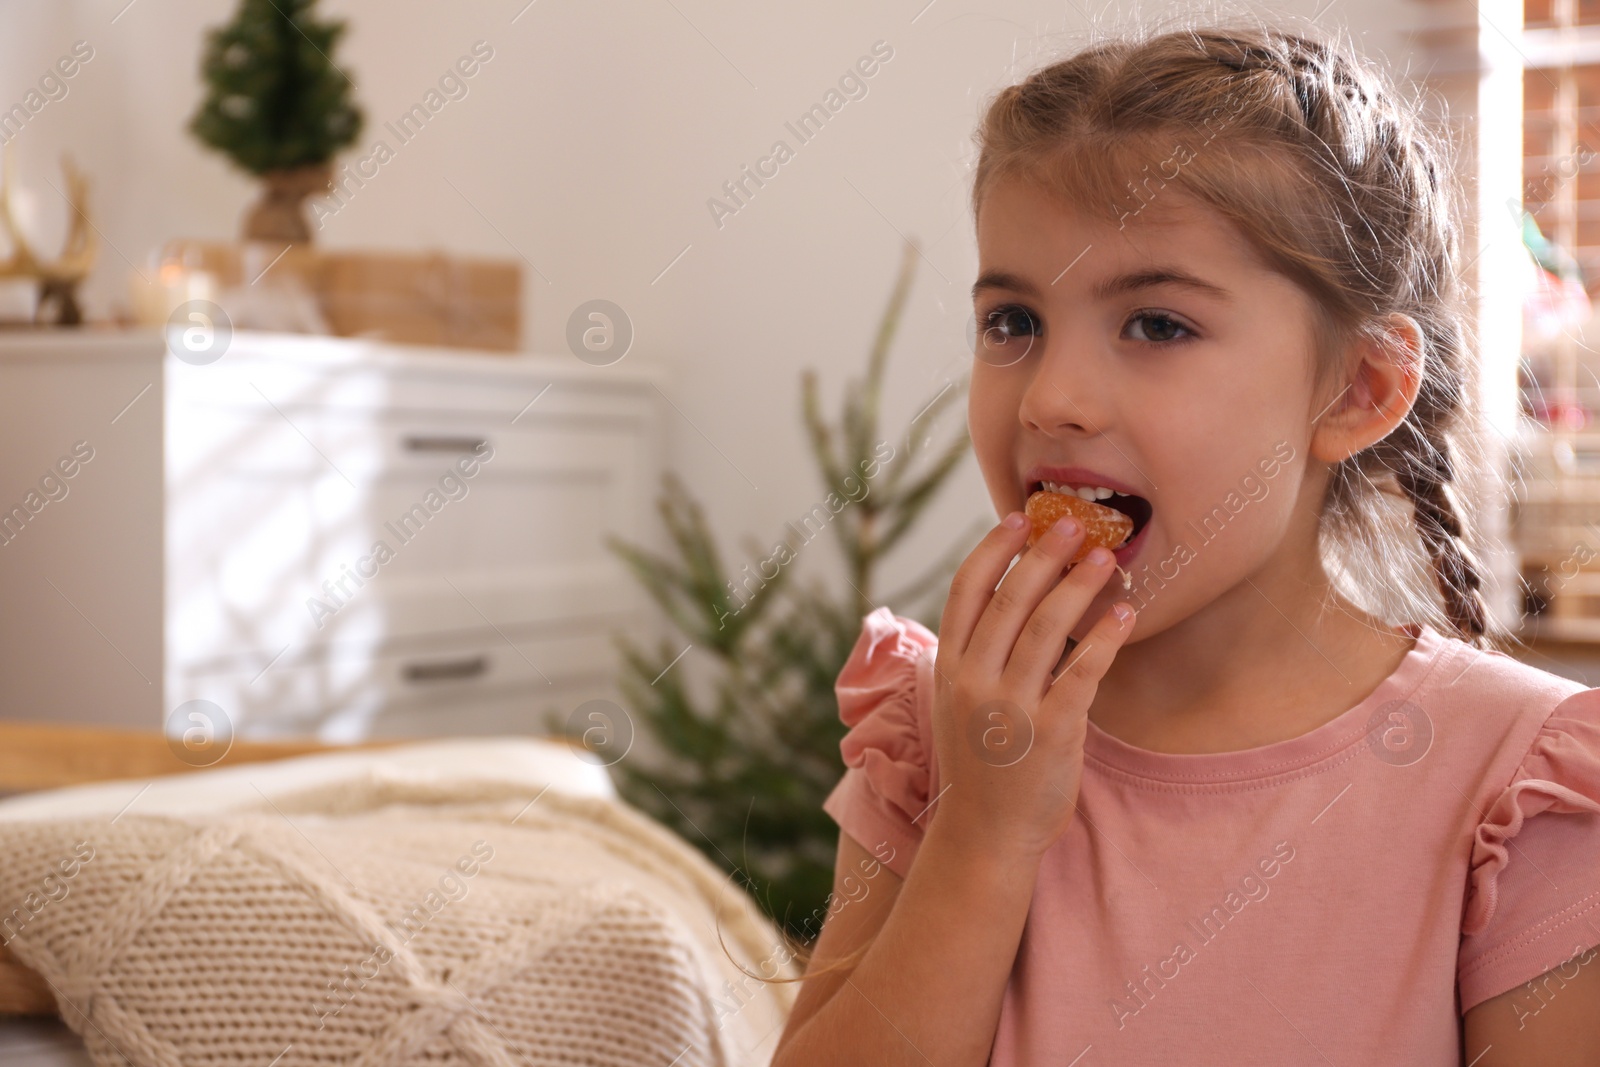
x=1379, y=393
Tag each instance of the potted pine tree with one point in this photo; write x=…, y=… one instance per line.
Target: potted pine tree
x=749, y=762
x=279, y=107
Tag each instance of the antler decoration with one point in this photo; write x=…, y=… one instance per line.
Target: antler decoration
x=58, y=279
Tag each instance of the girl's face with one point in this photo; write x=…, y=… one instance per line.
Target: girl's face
x=1163, y=359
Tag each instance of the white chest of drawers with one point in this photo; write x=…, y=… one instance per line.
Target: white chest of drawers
x=319, y=536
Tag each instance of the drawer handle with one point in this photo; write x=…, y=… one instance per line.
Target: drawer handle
x=445, y=443
x=447, y=670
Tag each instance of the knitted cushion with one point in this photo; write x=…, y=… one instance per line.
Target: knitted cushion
x=383, y=922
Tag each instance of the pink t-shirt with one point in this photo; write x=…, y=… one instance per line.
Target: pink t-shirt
x=1342, y=896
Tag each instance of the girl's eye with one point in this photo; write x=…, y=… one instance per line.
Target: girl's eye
x=1155, y=327
x=1007, y=322
x=1005, y=335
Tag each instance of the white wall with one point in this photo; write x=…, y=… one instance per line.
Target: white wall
x=590, y=143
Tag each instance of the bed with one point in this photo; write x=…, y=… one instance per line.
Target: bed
x=581, y=889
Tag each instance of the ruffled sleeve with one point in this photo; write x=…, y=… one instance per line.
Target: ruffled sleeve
x=884, y=699
x=1533, y=895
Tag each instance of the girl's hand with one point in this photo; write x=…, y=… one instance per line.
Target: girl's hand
x=1009, y=740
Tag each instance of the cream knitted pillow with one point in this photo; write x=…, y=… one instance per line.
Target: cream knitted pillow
x=379, y=922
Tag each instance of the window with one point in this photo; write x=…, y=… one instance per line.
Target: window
x=1556, y=515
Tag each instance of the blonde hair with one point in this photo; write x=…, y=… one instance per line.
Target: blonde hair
x=1343, y=189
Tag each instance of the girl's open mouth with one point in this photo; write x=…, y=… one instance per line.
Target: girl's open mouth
x=1135, y=507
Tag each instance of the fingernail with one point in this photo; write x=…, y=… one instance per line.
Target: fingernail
x=1123, y=611
x=1066, y=527
x=1016, y=520
x=1100, y=555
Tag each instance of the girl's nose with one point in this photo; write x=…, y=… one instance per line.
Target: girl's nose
x=1061, y=400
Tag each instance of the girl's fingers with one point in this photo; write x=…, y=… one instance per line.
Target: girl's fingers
x=1020, y=592
x=1044, y=635
x=973, y=585
x=1074, y=686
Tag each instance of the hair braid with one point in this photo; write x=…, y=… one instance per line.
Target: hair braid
x=1425, y=475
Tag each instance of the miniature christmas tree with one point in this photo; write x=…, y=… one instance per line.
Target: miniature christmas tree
x=278, y=106
x=752, y=765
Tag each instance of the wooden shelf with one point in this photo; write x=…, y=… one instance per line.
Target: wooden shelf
x=1545, y=632
x=36, y=755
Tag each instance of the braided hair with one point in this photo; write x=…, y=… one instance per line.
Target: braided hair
x=1342, y=188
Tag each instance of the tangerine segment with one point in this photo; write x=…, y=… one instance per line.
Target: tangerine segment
x=1102, y=525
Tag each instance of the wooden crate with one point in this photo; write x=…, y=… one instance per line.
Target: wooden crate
x=427, y=298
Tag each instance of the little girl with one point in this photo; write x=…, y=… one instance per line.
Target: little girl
x=1277, y=801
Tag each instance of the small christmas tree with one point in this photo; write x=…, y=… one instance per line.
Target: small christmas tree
x=752, y=765
x=278, y=106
